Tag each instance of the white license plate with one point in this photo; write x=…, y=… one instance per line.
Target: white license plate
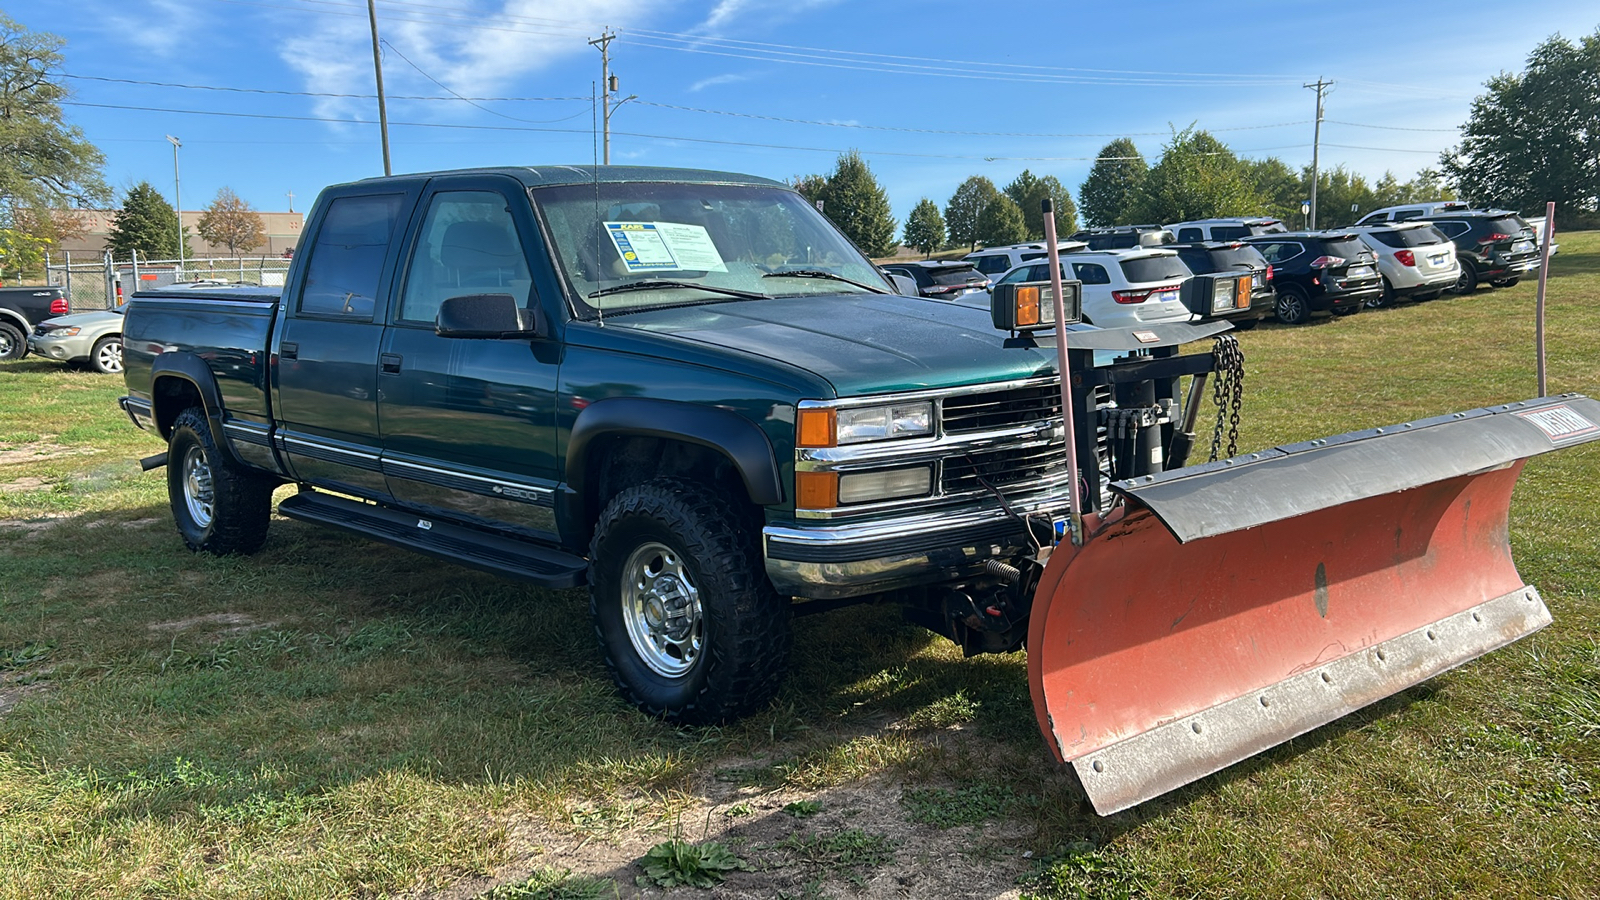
x=1438, y=260
x=1522, y=246
x=1359, y=272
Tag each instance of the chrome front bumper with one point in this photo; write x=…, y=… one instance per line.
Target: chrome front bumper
x=835, y=561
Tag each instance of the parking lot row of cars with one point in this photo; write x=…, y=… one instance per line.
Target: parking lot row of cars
x=1137, y=274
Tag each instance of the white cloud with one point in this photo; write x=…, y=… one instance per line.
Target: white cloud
x=728, y=11
x=152, y=28
x=713, y=81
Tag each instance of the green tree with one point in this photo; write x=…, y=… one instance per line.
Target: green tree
x=47, y=165
x=147, y=223
x=1113, y=182
x=925, y=227
x=1027, y=191
x=1342, y=197
x=1001, y=222
x=1198, y=177
x=1280, y=188
x=1535, y=136
x=856, y=203
x=231, y=222
x=965, y=206
x=811, y=187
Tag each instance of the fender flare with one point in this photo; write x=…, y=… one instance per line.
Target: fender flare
x=17, y=319
x=727, y=433
x=186, y=366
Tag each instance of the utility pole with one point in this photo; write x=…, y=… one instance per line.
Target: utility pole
x=377, y=67
x=1321, y=87
x=608, y=86
x=177, y=198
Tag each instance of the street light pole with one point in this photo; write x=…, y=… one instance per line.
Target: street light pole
x=177, y=198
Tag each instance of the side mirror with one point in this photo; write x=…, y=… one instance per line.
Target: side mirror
x=903, y=285
x=1029, y=305
x=488, y=317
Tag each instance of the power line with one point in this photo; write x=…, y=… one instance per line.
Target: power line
x=1388, y=127
x=239, y=90
x=468, y=101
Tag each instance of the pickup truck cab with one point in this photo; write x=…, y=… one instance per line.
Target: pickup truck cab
x=682, y=388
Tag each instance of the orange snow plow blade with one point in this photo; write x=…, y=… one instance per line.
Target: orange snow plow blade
x=1229, y=607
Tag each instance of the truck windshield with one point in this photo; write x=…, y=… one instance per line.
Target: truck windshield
x=725, y=238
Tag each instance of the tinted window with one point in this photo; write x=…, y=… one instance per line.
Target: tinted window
x=1508, y=225
x=1154, y=268
x=1229, y=232
x=468, y=245
x=1190, y=234
x=1407, y=214
x=1277, y=253
x=1372, y=218
x=956, y=275
x=1272, y=227
x=991, y=265
x=1036, y=255
x=1452, y=229
x=347, y=257
x=1348, y=248
x=1089, y=273
x=1229, y=258
x=1197, y=259
x=1020, y=274
x=1410, y=237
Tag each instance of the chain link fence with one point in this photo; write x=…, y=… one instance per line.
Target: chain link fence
x=103, y=283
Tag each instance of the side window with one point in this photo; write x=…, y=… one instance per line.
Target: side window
x=1017, y=275
x=993, y=265
x=1229, y=232
x=468, y=245
x=347, y=257
x=1405, y=215
x=1372, y=218
x=1091, y=273
x=1028, y=256
x=1187, y=235
x=1277, y=253
x=1452, y=229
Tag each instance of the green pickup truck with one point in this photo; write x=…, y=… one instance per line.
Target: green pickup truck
x=685, y=389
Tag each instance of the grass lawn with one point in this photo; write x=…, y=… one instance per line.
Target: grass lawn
x=332, y=718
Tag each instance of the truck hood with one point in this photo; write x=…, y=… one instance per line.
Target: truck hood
x=859, y=343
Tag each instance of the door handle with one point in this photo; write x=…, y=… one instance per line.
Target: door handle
x=390, y=363
x=288, y=350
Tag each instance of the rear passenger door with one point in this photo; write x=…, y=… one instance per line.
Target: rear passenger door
x=325, y=369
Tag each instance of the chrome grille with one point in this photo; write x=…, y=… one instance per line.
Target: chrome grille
x=1009, y=470
x=969, y=413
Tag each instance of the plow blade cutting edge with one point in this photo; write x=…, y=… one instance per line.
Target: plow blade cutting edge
x=1226, y=608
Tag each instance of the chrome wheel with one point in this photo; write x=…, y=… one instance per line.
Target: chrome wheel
x=661, y=610
x=108, y=356
x=198, y=491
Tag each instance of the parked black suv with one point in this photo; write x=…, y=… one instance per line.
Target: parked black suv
x=945, y=279
x=1493, y=245
x=1207, y=257
x=23, y=308
x=1124, y=237
x=1319, y=271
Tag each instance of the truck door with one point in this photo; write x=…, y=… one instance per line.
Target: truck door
x=326, y=364
x=469, y=425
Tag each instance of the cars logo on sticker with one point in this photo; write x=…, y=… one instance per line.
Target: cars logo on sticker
x=1560, y=423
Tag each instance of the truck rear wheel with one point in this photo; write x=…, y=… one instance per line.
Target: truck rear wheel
x=13, y=344
x=690, y=627
x=219, y=506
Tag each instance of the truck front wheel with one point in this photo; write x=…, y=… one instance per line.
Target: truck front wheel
x=689, y=625
x=220, y=507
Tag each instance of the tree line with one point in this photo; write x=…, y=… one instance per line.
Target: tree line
x=1530, y=137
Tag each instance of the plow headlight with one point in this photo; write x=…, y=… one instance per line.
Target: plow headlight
x=1029, y=305
x=1225, y=293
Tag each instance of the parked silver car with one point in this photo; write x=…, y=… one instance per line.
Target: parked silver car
x=93, y=339
x=1416, y=260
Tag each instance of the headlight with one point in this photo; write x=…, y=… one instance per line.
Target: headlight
x=876, y=423
x=1222, y=292
x=884, y=484
x=68, y=331
x=830, y=427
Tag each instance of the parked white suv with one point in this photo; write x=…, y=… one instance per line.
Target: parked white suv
x=995, y=261
x=1121, y=288
x=1412, y=211
x=1225, y=229
x=1416, y=260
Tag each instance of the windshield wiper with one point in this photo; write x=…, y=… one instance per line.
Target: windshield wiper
x=823, y=273
x=654, y=284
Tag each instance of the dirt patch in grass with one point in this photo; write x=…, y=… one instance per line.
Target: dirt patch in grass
x=34, y=451
x=21, y=485
x=34, y=526
x=854, y=840
x=11, y=694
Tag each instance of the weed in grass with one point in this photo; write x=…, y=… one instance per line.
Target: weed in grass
x=968, y=805
x=803, y=809
x=556, y=884
x=738, y=811
x=24, y=656
x=703, y=865
x=1082, y=871
x=849, y=852
x=945, y=712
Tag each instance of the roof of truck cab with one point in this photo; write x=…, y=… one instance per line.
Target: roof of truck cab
x=545, y=176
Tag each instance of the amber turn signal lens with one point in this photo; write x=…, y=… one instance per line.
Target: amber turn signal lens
x=1242, y=299
x=1027, y=306
x=816, y=428
x=816, y=490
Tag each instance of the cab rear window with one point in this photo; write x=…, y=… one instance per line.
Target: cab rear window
x=1154, y=268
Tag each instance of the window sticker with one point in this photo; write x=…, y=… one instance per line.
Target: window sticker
x=664, y=247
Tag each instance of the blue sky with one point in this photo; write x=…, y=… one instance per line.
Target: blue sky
x=928, y=92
